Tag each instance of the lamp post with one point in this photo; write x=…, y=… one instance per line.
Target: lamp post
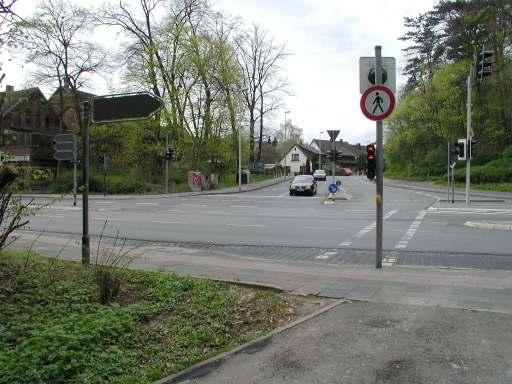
x=320, y=151
x=285, y=153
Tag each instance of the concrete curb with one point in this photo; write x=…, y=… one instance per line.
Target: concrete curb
x=225, y=191
x=483, y=225
x=204, y=367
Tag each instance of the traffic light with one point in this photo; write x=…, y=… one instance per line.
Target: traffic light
x=484, y=65
x=168, y=154
x=371, y=161
x=459, y=149
x=334, y=155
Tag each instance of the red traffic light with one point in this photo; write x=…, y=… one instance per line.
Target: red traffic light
x=371, y=157
x=370, y=149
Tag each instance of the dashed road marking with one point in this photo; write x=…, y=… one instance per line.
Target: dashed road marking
x=246, y=225
x=194, y=205
x=326, y=255
x=368, y=228
x=390, y=259
x=146, y=203
x=346, y=244
x=107, y=219
x=167, y=222
x=411, y=231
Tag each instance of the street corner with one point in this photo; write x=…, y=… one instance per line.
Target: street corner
x=492, y=225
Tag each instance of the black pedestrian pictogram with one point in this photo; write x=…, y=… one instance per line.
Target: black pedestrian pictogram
x=378, y=101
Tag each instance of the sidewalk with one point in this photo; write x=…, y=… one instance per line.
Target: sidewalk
x=398, y=325
x=231, y=190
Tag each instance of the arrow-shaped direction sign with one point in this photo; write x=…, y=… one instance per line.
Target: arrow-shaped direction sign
x=65, y=147
x=128, y=106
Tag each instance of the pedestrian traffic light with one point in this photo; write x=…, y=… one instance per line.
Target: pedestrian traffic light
x=459, y=149
x=371, y=161
x=484, y=66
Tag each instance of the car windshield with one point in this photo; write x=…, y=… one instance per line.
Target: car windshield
x=302, y=179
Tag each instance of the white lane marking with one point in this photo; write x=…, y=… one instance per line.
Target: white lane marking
x=390, y=259
x=175, y=211
x=346, y=244
x=411, y=231
x=246, y=225
x=167, y=222
x=106, y=209
x=369, y=228
x=194, y=205
x=326, y=255
x=477, y=211
x=243, y=206
x=389, y=214
x=103, y=202
x=284, y=194
x=146, y=203
x=326, y=228
x=64, y=208
x=107, y=219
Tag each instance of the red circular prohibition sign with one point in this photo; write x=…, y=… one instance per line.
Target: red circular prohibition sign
x=387, y=112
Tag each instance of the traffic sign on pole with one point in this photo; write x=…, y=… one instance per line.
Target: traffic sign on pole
x=123, y=107
x=377, y=102
x=367, y=78
x=333, y=188
x=333, y=134
x=65, y=147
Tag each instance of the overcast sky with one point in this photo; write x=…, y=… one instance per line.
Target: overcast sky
x=325, y=39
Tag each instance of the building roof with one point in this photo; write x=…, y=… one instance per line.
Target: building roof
x=82, y=96
x=10, y=99
x=347, y=149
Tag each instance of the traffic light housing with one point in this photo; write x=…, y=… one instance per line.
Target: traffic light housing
x=371, y=161
x=334, y=155
x=168, y=154
x=459, y=149
x=471, y=148
x=484, y=64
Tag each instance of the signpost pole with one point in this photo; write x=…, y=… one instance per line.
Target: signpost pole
x=166, y=163
x=380, y=161
x=333, y=158
x=86, y=257
x=448, y=171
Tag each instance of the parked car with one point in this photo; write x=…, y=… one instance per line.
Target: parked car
x=319, y=174
x=303, y=184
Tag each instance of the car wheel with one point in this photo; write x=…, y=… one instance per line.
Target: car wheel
x=291, y=193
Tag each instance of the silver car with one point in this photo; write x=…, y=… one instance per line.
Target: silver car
x=303, y=184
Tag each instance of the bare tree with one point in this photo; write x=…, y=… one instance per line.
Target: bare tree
x=258, y=57
x=57, y=39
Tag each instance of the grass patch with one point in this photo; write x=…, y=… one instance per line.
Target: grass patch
x=53, y=328
x=229, y=180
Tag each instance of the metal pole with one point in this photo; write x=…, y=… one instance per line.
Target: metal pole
x=285, y=153
x=320, y=152
x=239, y=159
x=86, y=256
x=75, y=182
x=448, y=171
x=104, y=174
x=333, y=158
x=468, y=130
x=166, y=163
x=453, y=182
x=380, y=160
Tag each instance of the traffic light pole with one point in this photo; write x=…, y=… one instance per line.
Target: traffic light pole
x=166, y=163
x=333, y=158
x=380, y=161
x=469, y=135
x=75, y=182
x=86, y=256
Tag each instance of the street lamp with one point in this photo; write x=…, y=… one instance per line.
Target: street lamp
x=285, y=153
x=320, y=151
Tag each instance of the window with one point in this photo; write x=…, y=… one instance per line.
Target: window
x=295, y=157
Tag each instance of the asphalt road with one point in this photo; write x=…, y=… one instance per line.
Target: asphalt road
x=419, y=228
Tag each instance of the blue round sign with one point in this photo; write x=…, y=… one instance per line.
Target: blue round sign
x=333, y=188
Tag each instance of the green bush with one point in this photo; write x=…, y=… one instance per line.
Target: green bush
x=497, y=171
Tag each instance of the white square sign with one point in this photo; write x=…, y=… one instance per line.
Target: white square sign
x=367, y=73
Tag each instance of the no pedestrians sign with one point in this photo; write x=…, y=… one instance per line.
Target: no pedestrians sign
x=377, y=102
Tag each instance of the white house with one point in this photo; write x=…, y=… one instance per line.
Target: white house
x=300, y=159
